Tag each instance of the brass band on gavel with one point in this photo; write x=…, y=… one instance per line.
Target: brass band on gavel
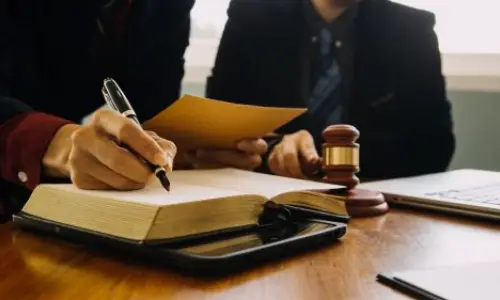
x=340, y=156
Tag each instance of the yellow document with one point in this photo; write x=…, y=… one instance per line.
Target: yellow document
x=193, y=122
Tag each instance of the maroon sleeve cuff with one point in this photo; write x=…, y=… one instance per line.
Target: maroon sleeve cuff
x=24, y=139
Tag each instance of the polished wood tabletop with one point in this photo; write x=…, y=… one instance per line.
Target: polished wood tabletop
x=36, y=267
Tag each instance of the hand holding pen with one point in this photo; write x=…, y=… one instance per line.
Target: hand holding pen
x=94, y=160
x=109, y=152
x=149, y=150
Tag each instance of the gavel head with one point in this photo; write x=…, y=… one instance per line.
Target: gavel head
x=341, y=155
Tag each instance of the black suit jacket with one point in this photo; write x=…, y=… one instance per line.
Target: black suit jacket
x=397, y=98
x=53, y=59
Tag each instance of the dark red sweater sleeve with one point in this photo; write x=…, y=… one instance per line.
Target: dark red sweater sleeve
x=24, y=139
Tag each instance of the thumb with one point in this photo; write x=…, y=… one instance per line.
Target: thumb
x=307, y=147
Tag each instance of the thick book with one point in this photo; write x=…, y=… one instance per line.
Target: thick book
x=200, y=202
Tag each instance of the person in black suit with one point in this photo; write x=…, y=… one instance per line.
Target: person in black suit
x=54, y=56
x=374, y=64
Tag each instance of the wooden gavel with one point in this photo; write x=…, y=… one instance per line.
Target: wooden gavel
x=340, y=163
x=340, y=155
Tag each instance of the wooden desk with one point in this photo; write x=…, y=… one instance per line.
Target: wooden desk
x=32, y=267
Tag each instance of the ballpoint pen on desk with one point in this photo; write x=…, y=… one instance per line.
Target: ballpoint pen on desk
x=116, y=99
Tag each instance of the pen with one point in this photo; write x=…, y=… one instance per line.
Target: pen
x=116, y=99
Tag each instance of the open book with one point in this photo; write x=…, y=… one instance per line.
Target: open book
x=200, y=201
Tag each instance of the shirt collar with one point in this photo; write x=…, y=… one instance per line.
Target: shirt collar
x=344, y=21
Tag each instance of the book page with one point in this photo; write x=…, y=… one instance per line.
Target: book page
x=246, y=181
x=193, y=122
x=154, y=193
x=199, y=185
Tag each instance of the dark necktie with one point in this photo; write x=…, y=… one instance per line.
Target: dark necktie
x=324, y=103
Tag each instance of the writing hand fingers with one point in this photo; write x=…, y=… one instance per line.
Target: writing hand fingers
x=169, y=148
x=129, y=133
x=88, y=182
x=87, y=142
x=89, y=173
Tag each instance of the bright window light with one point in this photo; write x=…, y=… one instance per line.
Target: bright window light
x=209, y=17
x=467, y=33
x=464, y=26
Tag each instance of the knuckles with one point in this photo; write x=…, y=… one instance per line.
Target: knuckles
x=83, y=167
x=115, y=162
x=168, y=146
x=75, y=162
x=122, y=161
x=82, y=135
x=262, y=148
x=127, y=131
x=274, y=165
x=152, y=134
x=289, y=156
x=100, y=115
x=302, y=133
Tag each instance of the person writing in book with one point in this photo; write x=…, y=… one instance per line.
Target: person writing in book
x=48, y=84
x=53, y=60
x=373, y=64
